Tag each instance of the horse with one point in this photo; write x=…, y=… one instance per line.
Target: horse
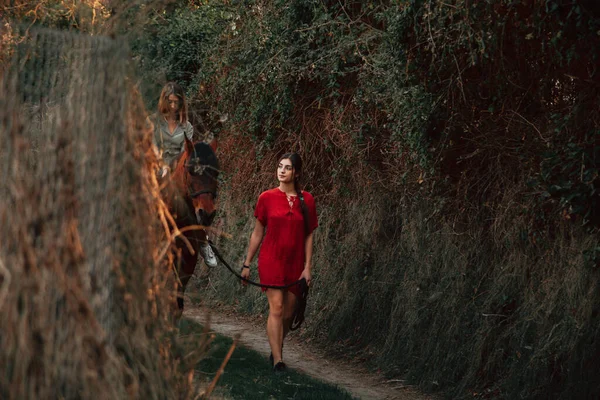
x=190, y=194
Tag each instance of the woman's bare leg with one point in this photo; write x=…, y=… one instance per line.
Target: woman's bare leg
x=275, y=322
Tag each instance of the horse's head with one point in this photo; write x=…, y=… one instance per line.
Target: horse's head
x=199, y=169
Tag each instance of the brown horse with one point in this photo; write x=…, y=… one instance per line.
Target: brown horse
x=190, y=194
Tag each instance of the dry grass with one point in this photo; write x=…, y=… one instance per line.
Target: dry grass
x=86, y=288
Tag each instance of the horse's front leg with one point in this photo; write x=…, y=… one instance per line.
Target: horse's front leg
x=187, y=265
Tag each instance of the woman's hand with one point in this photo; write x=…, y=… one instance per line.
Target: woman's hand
x=245, y=274
x=306, y=275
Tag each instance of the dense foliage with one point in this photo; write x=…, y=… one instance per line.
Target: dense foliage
x=464, y=250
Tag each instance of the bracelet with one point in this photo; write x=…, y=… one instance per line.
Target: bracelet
x=245, y=266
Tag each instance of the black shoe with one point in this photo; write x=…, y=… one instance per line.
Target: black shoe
x=271, y=355
x=279, y=367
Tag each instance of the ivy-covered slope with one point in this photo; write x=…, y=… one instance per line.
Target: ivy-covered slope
x=453, y=149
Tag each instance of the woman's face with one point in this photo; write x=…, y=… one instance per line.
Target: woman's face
x=174, y=103
x=285, y=171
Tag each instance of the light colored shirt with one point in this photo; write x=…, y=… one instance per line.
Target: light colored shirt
x=170, y=145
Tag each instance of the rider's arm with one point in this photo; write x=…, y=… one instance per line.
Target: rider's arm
x=150, y=127
x=188, y=131
x=255, y=240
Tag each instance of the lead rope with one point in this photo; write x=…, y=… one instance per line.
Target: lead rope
x=226, y=264
x=298, y=315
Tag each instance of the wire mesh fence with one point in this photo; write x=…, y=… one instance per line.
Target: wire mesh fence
x=84, y=292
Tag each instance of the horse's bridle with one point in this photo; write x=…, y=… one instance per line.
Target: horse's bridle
x=203, y=191
x=197, y=169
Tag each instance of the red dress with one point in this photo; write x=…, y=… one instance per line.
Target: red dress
x=282, y=253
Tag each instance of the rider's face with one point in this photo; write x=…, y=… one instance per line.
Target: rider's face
x=174, y=103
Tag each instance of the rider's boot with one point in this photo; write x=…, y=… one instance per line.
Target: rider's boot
x=208, y=254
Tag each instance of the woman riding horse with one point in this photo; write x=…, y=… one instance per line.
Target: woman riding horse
x=190, y=189
x=171, y=128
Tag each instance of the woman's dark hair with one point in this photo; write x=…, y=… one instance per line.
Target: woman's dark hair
x=296, y=161
x=163, y=102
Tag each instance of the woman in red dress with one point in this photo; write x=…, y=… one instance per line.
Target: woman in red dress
x=285, y=220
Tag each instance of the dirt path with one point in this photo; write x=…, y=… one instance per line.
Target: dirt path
x=357, y=381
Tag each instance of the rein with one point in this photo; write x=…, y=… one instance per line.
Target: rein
x=218, y=254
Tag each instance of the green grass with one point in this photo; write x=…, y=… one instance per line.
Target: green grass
x=248, y=375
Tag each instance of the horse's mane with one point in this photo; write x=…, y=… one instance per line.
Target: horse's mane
x=178, y=167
